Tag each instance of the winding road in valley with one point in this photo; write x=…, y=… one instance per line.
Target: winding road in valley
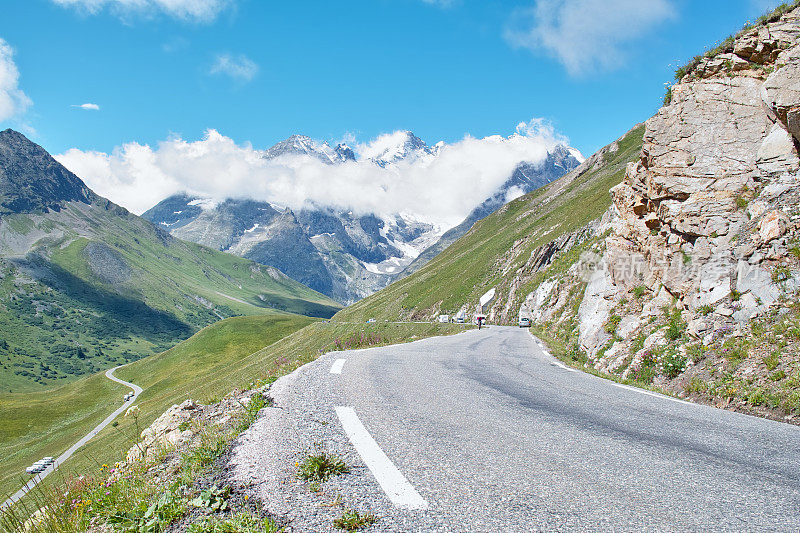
x=36, y=479
x=485, y=431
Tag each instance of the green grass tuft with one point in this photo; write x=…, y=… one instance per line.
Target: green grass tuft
x=353, y=521
x=319, y=465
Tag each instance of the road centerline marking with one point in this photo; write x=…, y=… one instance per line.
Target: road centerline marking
x=337, y=366
x=401, y=493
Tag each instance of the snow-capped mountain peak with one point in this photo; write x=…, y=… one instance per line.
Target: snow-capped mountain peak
x=391, y=148
x=344, y=152
x=303, y=145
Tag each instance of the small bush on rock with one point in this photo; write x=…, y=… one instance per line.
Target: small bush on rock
x=674, y=326
x=673, y=363
x=781, y=274
x=772, y=361
x=612, y=324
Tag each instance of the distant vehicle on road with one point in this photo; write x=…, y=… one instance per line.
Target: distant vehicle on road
x=444, y=319
x=524, y=322
x=39, y=465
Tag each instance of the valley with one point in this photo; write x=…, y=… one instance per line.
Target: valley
x=86, y=285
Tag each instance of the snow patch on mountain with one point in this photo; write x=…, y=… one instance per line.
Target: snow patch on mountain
x=206, y=204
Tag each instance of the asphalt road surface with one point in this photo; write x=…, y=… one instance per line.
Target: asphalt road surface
x=484, y=431
x=37, y=478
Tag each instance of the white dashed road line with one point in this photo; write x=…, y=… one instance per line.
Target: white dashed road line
x=336, y=368
x=392, y=481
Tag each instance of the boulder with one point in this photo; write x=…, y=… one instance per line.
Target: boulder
x=36, y=522
x=773, y=226
x=628, y=325
x=714, y=287
x=598, y=300
x=756, y=208
x=776, y=189
x=757, y=281
x=535, y=301
x=655, y=307
x=777, y=153
x=655, y=340
x=165, y=432
x=748, y=308
x=698, y=327
x=781, y=95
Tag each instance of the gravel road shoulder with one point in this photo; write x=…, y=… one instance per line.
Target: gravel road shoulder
x=265, y=456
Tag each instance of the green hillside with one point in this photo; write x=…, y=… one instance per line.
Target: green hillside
x=42, y=423
x=86, y=285
x=99, y=288
x=232, y=353
x=492, y=253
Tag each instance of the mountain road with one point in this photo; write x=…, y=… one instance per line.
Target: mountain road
x=485, y=431
x=37, y=478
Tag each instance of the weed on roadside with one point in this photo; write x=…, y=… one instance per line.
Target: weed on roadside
x=353, y=521
x=257, y=402
x=239, y=523
x=320, y=465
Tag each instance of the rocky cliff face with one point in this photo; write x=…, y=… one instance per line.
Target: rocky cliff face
x=702, y=247
x=712, y=205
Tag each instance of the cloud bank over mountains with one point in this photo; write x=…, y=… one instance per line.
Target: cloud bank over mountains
x=441, y=184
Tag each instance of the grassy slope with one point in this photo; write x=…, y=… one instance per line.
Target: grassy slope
x=233, y=353
x=468, y=268
x=169, y=290
x=48, y=422
x=42, y=423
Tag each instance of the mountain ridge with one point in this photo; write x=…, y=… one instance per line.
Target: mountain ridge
x=342, y=254
x=85, y=284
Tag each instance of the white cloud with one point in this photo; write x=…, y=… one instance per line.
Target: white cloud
x=188, y=10
x=587, y=35
x=441, y=3
x=87, y=106
x=442, y=189
x=13, y=102
x=238, y=67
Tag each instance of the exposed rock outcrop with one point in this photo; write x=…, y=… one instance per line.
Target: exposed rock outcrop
x=711, y=207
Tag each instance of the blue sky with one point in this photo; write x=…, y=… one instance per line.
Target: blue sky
x=259, y=71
